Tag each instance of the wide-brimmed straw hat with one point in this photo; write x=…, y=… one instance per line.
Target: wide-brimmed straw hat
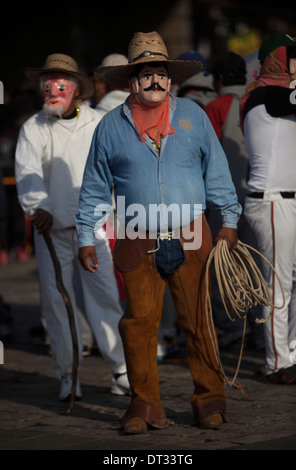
x=145, y=48
x=64, y=64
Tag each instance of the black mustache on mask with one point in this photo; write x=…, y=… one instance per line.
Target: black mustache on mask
x=154, y=86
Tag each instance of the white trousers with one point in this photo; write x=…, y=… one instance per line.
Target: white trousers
x=96, y=293
x=273, y=220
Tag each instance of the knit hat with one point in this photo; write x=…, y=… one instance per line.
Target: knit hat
x=63, y=64
x=233, y=68
x=145, y=48
x=273, y=42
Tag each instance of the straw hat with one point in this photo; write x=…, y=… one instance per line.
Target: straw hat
x=145, y=48
x=64, y=64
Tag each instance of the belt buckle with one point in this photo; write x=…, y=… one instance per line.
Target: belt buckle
x=166, y=236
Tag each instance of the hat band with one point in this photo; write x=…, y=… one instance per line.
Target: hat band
x=148, y=54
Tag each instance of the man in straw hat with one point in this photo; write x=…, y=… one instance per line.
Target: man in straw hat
x=50, y=157
x=166, y=163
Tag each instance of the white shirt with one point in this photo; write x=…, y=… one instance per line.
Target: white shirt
x=50, y=160
x=271, y=146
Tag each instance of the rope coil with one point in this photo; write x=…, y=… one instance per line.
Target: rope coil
x=242, y=286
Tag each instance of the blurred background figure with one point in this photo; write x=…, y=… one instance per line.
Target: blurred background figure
x=198, y=88
x=269, y=123
x=114, y=96
x=103, y=88
x=253, y=66
x=229, y=80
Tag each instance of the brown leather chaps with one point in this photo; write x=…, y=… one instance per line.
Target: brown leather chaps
x=144, y=288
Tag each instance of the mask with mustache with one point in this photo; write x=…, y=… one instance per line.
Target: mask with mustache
x=154, y=87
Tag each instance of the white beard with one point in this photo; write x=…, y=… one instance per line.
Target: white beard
x=50, y=111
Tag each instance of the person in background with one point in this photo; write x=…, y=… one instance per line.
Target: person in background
x=269, y=124
x=51, y=152
x=198, y=88
x=103, y=88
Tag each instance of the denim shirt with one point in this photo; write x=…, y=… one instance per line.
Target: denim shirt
x=190, y=174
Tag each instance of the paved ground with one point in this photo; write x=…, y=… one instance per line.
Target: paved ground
x=32, y=418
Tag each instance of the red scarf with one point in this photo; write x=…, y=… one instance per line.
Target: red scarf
x=274, y=71
x=153, y=120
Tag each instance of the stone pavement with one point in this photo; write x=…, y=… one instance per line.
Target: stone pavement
x=32, y=418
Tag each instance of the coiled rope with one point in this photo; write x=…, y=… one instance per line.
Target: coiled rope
x=242, y=286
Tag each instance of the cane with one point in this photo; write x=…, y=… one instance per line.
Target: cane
x=68, y=304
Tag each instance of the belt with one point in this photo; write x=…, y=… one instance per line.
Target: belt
x=163, y=236
x=284, y=194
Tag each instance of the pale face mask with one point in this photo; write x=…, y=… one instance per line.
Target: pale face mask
x=58, y=91
x=152, y=85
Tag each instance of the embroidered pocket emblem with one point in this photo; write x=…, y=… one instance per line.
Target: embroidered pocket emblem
x=185, y=124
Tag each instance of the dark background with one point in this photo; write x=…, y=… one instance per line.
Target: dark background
x=90, y=30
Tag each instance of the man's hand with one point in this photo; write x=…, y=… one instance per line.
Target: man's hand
x=88, y=258
x=42, y=221
x=229, y=235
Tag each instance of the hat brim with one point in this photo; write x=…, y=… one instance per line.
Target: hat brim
x=86, y=85
x=117, y=76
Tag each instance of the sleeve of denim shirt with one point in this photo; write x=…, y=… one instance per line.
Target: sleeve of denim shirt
x=220, y=190
x=95, y=201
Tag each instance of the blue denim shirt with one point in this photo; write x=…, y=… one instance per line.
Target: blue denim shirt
x=190, y=173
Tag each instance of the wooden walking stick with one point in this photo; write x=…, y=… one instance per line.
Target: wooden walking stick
x=68, y=304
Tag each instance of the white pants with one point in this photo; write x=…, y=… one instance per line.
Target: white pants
x=96, y=292
x=273, y=220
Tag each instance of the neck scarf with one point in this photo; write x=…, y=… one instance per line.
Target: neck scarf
x=151, y=120
x=274, y=71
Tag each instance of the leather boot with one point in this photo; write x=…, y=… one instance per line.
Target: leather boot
x=214, y=421
x=135, y=425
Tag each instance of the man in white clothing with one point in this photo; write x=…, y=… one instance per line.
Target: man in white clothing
x=268, y=117
x=50, y=157
x=114, y=96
